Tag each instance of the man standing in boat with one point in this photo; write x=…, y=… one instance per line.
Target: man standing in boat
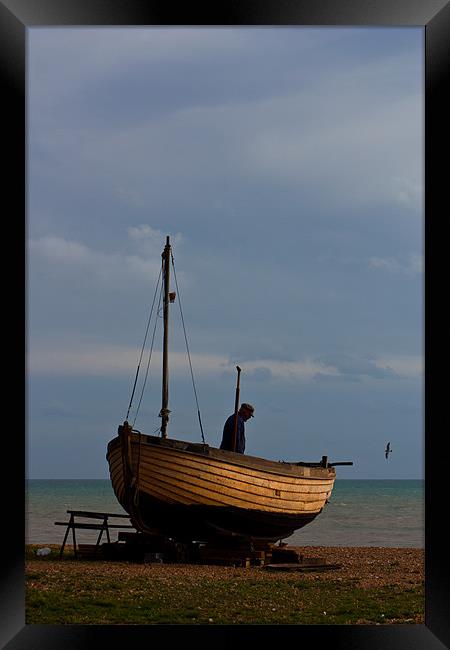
x=245, y=413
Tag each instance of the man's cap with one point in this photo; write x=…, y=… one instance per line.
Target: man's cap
x=249, y=408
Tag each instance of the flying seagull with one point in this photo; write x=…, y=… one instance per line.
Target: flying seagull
x=388, y=450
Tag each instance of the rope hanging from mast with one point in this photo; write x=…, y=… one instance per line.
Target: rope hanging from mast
x=168, y=297
x=187, y=349
x=142, y=349
x=149, y=357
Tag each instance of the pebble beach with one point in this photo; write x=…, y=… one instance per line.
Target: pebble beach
x=366, y=566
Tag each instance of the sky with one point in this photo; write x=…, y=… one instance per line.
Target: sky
x=286, y=165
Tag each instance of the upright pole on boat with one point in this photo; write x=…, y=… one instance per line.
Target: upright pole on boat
x=236, y=408
x=165, y=381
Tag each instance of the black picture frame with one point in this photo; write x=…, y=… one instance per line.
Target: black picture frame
x=16, y=16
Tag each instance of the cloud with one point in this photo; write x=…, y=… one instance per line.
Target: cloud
x=151, y=240
x=59, y=250
x=109, y=270
x=100, y=360
x=407, y=192
x=351, y=131
x=353, y=368
x=106, y=52
x=373, y=142
x=58, y=409
x=96, y=58
x=322, y=377
x=90, y=359
x=406, y=366
x=287, y=370
x=413, y=265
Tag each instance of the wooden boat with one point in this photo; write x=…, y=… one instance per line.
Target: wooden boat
x=192, y=491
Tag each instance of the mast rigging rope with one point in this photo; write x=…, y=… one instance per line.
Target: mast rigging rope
x=151, y=350
x=149, y=358
x=188, y=353
x=143, y=347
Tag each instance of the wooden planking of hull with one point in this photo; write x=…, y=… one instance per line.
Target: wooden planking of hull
x=194, y=491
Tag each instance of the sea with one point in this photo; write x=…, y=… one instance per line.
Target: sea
x=383, y=513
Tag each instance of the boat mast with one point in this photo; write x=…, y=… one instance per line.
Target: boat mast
x=164, y=414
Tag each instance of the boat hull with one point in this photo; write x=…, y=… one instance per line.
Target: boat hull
x=204, y=523
x=195, y=492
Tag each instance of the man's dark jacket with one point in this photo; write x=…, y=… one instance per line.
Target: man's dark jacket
x=227, y=438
